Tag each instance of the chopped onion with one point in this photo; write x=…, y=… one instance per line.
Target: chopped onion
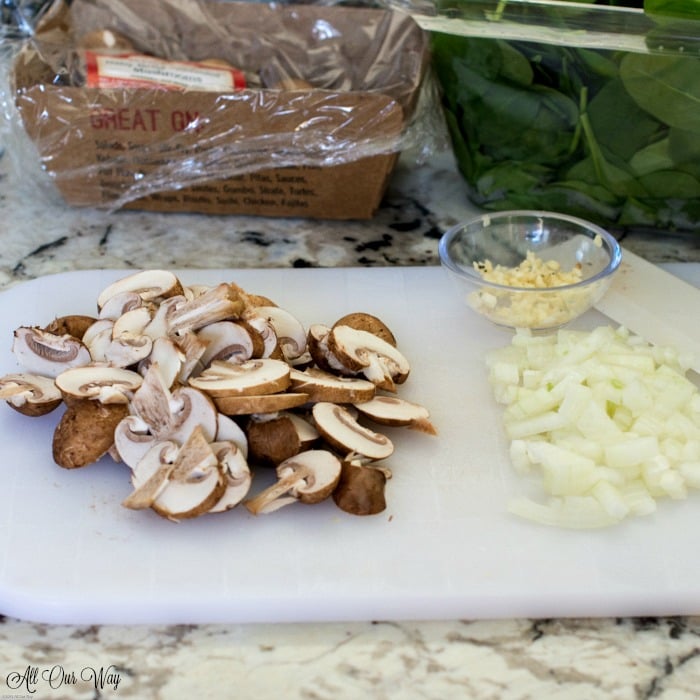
x=608, y=422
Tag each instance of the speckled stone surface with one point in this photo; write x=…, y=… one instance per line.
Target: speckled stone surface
x=491, y=659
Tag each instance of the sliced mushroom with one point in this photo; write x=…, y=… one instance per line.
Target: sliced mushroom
x=227, y=430
x=219, y=303
x=364, y=352
x=30, y=394
x=193, y=349
x=251, y=378
x=98, y=337
x=342, y=431
x=391, y=410
x=168, y=357
x=308, y=477
x=317, y=344
x=119, y=304
x=324, y=386
x=85, y=432
x=173, y=416
x=150, y=285
x=47, y=354
x=361, y=488
x=264, y=403
x=367, y=322
x=237, y=475
x=178, y=483
x=267, y=343
x=132, y=440
x=106, y=384
x=127, y=350
x=290, y=332
x=225, y=341
x=74, y=324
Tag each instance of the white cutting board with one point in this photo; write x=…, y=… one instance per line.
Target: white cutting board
x=445, y=547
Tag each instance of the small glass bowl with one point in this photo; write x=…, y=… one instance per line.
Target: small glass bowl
x=507, y=239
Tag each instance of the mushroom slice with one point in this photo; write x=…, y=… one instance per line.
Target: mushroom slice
x=360, y=490
x=237, y=475
x=30, y=394
x=225, y=341
x=173, y=416
x=85, y=432
x=127, y=350
x=106, y=384
x=263, y=403
x=169, y=359
x=308, y=477
x=291, y=334
x=150, y=285
x=178, y=482
x=216, y=304
x=324, y=386
x=73, y=324
x=132, y=440
x=317, y=345
x=98, y=337
x=267, y=344
x=366, y=322
x=391, y=410
x=193, y=349
x=337, y=425
x=306, y=431
x=364, y=352
x=119, y=304
x=250, y=378
x=227, y=430
x=131, y=322
x=47, y=354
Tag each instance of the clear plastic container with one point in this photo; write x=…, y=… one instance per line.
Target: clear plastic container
x=589, y=110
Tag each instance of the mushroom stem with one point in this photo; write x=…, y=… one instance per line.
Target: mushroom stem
x=279, y=488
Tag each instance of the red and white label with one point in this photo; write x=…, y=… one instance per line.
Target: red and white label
x=139, y=71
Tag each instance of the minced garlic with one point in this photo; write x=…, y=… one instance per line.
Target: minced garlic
x=532, y=272
x=548, y=309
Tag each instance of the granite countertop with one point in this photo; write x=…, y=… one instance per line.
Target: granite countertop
x=517, y=659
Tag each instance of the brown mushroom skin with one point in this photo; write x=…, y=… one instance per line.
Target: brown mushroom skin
x=272, y=441
x=360, y=490
x=367, y=322
x=34, y=410
x=85, y=432
x=74, y=325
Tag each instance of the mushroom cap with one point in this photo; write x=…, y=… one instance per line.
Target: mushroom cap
x=106, y=384
x=367, y=322
x=360, y=489
x=40, y=352
x=250, y=378
x=73, y=324
x=30, y=394
x=339, y=427
x=85, y=432
x=272, y=440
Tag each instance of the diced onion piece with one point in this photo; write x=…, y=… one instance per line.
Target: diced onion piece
x=609, y=422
